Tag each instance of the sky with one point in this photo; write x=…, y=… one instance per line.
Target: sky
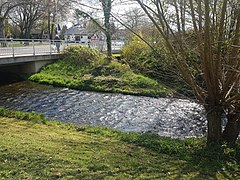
x=119, y=8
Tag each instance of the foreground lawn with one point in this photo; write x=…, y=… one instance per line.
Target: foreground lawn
x=31, y=150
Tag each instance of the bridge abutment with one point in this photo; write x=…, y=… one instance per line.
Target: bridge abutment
x=26, y=64
x=34, y=67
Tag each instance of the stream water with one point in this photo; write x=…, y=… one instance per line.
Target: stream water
x=176, y=118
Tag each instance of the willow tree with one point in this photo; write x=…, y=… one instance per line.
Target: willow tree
x=215, y=32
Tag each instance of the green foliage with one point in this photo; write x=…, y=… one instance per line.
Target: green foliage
x=134, y=49
x=87, y=69
x=158, y=64
x=83, y=56
x=34, y=117
x=141, y=81
x=141, y=58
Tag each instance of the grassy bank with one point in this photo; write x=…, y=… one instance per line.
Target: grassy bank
x=37, y=149
x=87, y=69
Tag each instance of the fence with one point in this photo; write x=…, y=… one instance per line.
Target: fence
x=20, y=47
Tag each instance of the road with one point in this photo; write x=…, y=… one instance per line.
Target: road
x=48, y=49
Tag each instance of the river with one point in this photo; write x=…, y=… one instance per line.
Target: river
x=177, y=118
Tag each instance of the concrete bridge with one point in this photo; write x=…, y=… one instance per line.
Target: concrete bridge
x=28, y=64
x=26, y=55
x=29, y=55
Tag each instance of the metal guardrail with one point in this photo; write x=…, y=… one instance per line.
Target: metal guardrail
x=23, y=47
x=20, y=47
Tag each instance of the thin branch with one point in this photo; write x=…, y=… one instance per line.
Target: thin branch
x=86, y=15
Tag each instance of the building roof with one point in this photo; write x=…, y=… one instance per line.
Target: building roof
x=77, y=31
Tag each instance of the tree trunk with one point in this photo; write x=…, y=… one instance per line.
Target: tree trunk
x=107, y=5
x=177, y=15
x=49, y=24
x=232, y=129
x=109, y=44
x=214, y=135
x=52, y=32
x=1, y=27
x=183, y=11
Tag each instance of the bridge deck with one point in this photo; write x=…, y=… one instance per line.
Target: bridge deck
x=15, y=51
x=9, y=60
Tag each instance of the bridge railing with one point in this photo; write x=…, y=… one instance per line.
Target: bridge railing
x=22, y=47
x=117, y=45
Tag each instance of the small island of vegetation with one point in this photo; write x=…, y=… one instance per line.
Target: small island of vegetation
x=85, y=68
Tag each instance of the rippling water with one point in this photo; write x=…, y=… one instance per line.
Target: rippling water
x=168, y=117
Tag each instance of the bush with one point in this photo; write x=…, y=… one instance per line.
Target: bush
x=134, y=48
x=84, y=56
x=142, y=59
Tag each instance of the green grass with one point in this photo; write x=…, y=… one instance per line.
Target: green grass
x=50, y=150
x=85, y=69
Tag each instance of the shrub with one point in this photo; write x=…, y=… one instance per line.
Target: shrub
x=142, y=59
x=84, y=56
x=134, y=48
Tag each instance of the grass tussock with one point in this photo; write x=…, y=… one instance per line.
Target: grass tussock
x=87, y=69
x=49, y=150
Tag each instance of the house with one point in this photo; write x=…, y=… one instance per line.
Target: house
x=78, y=34
x=39, y=35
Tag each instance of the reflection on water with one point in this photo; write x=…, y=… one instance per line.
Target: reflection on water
x=167, y=117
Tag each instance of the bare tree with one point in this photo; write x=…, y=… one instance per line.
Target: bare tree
x=26, y=15
x=45, y=15
x=135, y=18
x=55, y=11
x=219, y=86
x=5, y=8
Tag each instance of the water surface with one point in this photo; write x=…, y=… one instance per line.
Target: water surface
x=176, y=118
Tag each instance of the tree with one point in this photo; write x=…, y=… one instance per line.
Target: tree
x=215, y=31
x=135, y=18
x=56, y=10
x=26, y=15
x=5, y=8
x=106, y=6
